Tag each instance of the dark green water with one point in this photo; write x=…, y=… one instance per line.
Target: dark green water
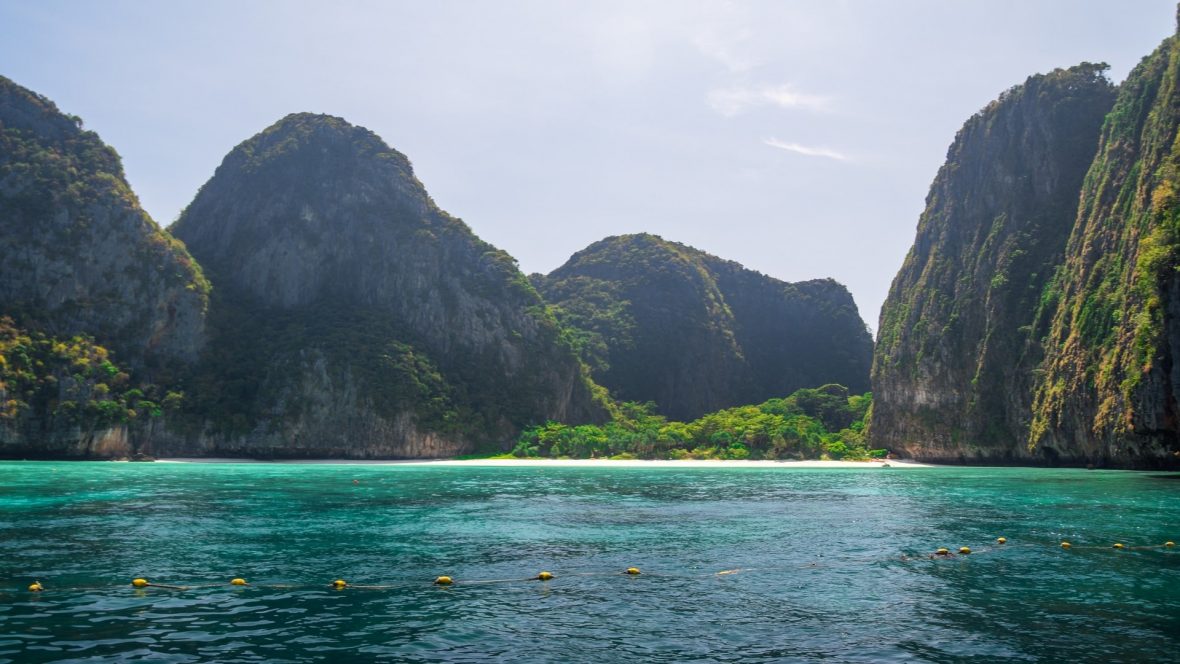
x=825, y=578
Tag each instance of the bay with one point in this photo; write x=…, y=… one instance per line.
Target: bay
x=738, y=564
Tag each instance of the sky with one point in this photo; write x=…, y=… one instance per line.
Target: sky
x=796, y=137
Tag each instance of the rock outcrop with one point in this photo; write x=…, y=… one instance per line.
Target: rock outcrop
x=959, y=336
x=1037, y=318
x=352, y=317
x=659, y=321
x=97, y=301
x=1109, y=385
x=79, y=253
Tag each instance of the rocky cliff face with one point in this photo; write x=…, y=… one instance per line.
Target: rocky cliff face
x=79, y=254
x=660, y=321
x=794, y=335
x=959, y=335
x=96, y=301
x=353, y=317
x=1109, y=385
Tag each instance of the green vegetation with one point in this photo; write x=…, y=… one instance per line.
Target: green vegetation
x=661, y=322
x=822, y=423
x=69, y=382
x=1110, y=344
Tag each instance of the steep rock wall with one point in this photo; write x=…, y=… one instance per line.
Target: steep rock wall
x=960, y=333
x=660, y=321
x=1110, y=381
x=98, y=305
x=78, y=253
x=353, y=317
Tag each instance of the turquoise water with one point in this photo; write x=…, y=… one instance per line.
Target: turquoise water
x=821, y=553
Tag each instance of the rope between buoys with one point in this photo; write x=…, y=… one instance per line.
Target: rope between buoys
x=447, y=581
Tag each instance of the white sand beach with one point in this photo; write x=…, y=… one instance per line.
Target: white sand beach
x=576, y=463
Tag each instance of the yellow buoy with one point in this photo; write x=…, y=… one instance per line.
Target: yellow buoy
x=964, y=550
x=35, y=587
x=1001, y=540
x=942, y=551
x=140, y=583
x=1169, y=544
x=544, y=576
x=443, y=581
x=237, y=582
x=1118, y=545
x=1065, y=545
x=633, y=571
x=339, y=584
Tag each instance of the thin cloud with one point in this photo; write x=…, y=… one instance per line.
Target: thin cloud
x=827, y=153
x=734, y=100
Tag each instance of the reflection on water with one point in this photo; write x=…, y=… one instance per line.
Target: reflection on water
x=831, y=563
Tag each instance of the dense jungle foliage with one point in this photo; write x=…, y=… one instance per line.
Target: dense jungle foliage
x=47, y=382
x=821, y=423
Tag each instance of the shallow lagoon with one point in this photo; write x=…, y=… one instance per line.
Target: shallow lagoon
x=820, y=554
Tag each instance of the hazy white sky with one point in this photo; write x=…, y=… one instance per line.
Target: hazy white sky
x=796, y=137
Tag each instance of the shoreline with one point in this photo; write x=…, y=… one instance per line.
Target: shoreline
x=568, y=463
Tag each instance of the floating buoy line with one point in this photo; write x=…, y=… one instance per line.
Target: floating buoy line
x=446, y=581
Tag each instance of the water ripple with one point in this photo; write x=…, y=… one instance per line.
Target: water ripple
x=830, y=564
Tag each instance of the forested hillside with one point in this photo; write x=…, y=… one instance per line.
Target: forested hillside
x=662, y=322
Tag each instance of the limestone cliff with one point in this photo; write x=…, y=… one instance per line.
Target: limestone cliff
x=1110, y=382
x=79, y=254
x=660, y=321
x=352, y=317
x=959, y=336
x=96, y=301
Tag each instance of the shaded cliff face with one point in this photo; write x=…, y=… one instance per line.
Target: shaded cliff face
x=660, y=321
x=77, y=253
x=960, y=335
x=1110, y=382
x=352, y=317
x=96, y=301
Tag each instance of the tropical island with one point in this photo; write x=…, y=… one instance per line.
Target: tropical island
x=276, y=331
x=313, y=301
x=373, y=435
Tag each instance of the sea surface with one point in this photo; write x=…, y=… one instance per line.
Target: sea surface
x=819, y=564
